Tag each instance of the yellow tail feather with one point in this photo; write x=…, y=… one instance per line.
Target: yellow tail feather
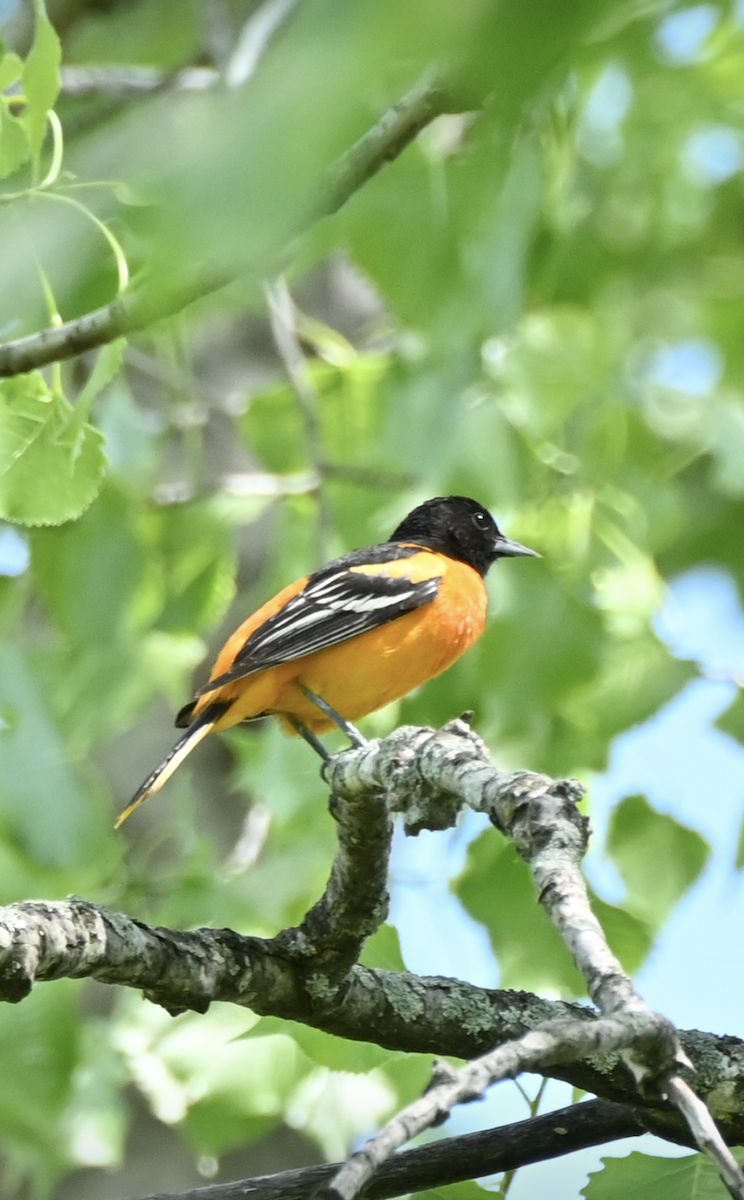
x=165, y=769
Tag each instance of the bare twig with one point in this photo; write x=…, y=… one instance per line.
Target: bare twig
x=131, y=79
x=254, y=38
x=264, y=483
x=73, y=938
x=188, y=970
x=284, y=327
x=129, y=313
x=369, y=477
x=122, y=79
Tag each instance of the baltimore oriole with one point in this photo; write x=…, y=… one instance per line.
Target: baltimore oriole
x=360, y=632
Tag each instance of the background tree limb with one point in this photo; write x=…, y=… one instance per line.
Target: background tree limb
x=450, y=1160
x=134, y=310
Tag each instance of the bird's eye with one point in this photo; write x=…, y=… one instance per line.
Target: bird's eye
x=479, y=518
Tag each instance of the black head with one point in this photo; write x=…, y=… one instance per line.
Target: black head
x=460, y=528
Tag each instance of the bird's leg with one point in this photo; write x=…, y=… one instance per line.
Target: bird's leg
x=310, y=737
x=351, y=731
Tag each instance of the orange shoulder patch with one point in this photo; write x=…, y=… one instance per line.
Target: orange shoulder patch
x=237, y=640
x=427, y=564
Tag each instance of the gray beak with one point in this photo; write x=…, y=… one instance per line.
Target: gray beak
x=506, y=548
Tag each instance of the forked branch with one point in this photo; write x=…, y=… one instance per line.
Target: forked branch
x=549, y=832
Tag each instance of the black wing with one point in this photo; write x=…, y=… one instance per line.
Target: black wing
x=336, y=604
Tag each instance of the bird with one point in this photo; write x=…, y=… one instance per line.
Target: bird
x=363, y=630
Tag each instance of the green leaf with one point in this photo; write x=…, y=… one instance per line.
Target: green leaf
x=531, y=675
x=44, y=804
x=274, y=430
x=243, y=1089
x=108, y=362
x=11, y=69
x=41, y=77
x=330, y=344
x=142, y=33
x=383, y=950
x=657, y=857
x=105, y=579
x=739, y=863
x=293, y=868
x=38, y=441
x=645, y=1177
x=381, y=234
x=497, y=889
x=558, y=364
x=457, y=1191
x=196, y=567
x=89, y=571
x=38, y=1045
x=628, y=936
x=97, y=1116
x=14, y=143
x=326, y=1050
x=635, y=677
x=91, y=577
x=731, y=721
x=352, y=410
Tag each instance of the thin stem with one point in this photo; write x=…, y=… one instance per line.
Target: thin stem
x=283, y=315
x=122, y=267
x=58, y=149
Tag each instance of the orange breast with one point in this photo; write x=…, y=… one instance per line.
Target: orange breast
x=361, y=675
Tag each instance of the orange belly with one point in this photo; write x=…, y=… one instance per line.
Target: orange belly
x=361, y=675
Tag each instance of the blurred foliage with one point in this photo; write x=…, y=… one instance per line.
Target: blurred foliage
x=539, y=303
x=732, y=720
x=458, y=1191
x=691, y=1177
x=658, y=859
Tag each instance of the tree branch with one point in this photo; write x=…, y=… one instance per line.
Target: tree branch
x=306, y=974
x=354, y=904
x=127, y=314
x=418, y=1014
x=385, y=141
x=133, y=311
